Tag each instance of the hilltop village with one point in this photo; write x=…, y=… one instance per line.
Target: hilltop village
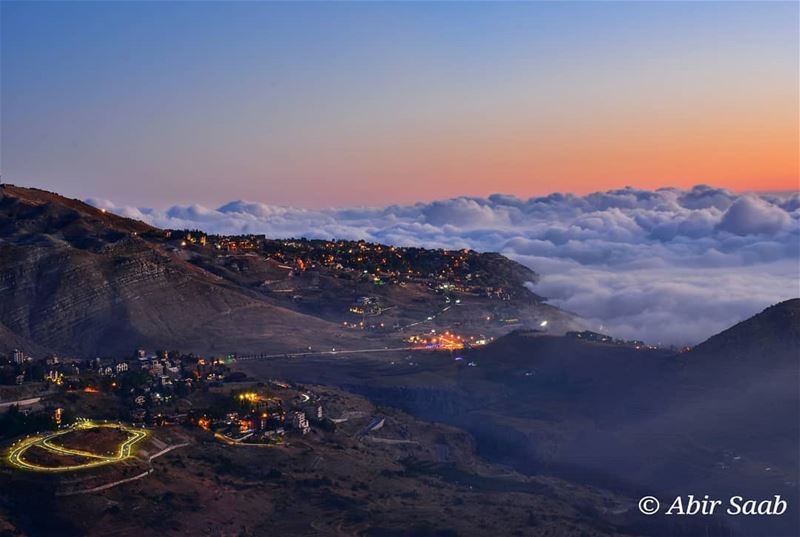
x=359, y=283
x=153, y=390
x=442, y=270
x=446, y=299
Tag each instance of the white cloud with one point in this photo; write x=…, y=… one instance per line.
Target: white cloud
x=750, y=215
x=667, y=265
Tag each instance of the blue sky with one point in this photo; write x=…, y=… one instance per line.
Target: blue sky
x=313, y=104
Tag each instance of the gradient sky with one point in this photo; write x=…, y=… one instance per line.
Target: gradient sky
x=320, y=104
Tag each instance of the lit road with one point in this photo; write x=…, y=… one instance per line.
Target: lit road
x=17, y=452
x=21, y=402
x=127, y=479
x=430, y=318
x=243, y=357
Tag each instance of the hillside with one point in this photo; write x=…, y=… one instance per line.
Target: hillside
x=74, y=279
x=770, y=333
x=77, y=280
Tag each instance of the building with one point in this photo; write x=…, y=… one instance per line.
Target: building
x=299, y=421
x=138, y=415
x=314, y=411
x=275, y=434
x=18, y=357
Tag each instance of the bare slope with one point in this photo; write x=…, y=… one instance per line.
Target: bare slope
x=74, y=279
x=78, y=280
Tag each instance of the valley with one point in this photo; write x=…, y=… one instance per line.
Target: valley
x=721, y=418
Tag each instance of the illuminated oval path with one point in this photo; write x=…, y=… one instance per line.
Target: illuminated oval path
x=17, y=451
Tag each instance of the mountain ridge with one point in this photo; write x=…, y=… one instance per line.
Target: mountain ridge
x=79, y=280
x=776, y=326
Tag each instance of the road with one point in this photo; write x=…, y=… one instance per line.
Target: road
x=245, y=357
x=17, y=452
x=429, y=318
x=21, y=402
x=126, y=480
x=252, y=356
x=374, y=424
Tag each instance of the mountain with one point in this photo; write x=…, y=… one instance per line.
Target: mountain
x=81, y=281
x=775, y=332
x=75, y=279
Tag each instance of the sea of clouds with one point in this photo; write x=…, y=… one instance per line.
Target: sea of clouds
x=670, y=266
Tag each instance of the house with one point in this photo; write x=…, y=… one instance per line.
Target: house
x=314, y=411
x=299, y=422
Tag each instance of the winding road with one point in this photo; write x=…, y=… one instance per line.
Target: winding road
x=17, y=452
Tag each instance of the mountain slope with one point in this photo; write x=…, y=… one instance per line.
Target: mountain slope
x=770, y=334
x=74, y=279
x=79, y=280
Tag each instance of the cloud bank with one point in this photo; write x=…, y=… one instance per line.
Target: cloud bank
x=669, y=266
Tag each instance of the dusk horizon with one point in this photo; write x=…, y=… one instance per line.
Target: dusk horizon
x=76, y=191
x=418, y=102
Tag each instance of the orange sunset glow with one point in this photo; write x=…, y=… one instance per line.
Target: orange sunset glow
x=415, y=104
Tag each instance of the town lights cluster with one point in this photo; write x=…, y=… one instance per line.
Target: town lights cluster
x=446, y=341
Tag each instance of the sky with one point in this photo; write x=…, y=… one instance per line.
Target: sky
x=153, y=104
